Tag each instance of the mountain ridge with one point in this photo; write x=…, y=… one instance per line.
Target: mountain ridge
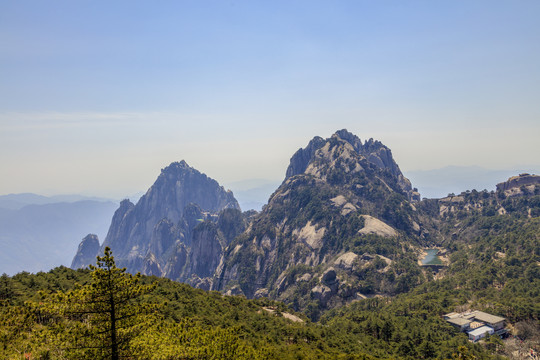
x=40, y=237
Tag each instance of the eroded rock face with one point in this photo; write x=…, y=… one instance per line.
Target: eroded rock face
x=156, y=236
x=206, y=250
x=518, y=181
x=163, y=237
x=151, y=265
x=302, y=157
x=176, y=261
x=373, y=150
x=87, y=252
x=377, y=227
x=346, y=261
x=322, y=205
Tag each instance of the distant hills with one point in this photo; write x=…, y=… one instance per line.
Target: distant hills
x=253, y=194
x=38, y=233
x=18, y=201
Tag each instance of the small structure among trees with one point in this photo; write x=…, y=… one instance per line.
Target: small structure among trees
x=477, y=324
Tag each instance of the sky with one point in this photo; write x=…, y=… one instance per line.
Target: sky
x=97, y=96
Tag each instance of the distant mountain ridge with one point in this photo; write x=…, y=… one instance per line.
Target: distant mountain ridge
x=253, y=194
x=40, y=237
x=18, y=201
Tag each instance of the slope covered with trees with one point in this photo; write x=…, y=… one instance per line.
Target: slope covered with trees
x=52, y=315
x=106, y=313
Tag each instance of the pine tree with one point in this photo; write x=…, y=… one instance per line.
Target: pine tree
x=6, y=289
x=100, y=320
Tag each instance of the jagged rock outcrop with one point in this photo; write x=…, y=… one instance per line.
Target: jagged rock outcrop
x=333, y=189
x=302, y=157
x=155, y=236
x=87, y=252
x=176, y=261
x=373, y=150
x=519, y=181
x=206, y=252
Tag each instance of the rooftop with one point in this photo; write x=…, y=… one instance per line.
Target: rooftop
x=481, y=330
x=488, y=318
x=459, y=321
x=451, y=315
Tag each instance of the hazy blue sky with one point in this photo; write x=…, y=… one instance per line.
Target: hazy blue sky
x=97, y=96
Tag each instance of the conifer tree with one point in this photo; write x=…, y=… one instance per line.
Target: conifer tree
x=100, y=320
x=6, y=289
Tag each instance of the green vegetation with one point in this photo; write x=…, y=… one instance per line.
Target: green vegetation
x=66, y=314
x=194, y=324
x=99, y=320
x=494, y=266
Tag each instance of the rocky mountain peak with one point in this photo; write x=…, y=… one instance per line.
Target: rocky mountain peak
x=87, y=252
x=174, y=168
x=345, y=152
x=179, y=185
x=339, y=194
x=302, y=157
x=144, y=235
x=351, y=139
x=125, y=206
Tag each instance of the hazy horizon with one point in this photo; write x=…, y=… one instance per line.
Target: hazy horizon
x=96, y=97
x=254, y=193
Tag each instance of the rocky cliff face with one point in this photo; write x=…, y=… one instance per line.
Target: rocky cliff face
x=320, y=236
x=155, y=236
x=517, y=182
x=87, y=252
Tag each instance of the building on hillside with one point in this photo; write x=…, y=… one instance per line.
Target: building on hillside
x=477, y=323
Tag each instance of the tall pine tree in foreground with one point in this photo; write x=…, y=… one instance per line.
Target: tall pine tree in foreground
x=100, y=320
